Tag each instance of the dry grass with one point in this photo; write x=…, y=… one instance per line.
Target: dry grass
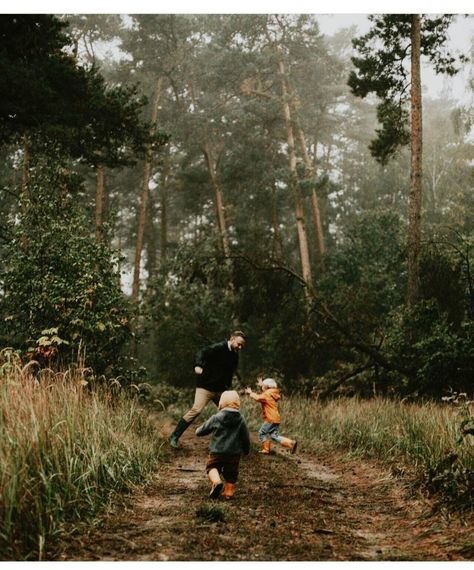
x=66, y=446
x=427, y=438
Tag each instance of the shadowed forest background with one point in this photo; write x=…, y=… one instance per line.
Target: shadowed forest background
x=223, y=165
x=166, y=179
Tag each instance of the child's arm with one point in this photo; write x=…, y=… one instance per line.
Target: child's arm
x=207, y=427
x=255, y=396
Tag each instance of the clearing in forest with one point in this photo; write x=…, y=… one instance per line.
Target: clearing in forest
x=286, y=507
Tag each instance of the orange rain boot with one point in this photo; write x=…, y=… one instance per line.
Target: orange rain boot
x=229, y=490
x=265, y=447
x=216, y=482
x=290, y=443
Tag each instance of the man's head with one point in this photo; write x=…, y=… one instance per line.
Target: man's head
x=237, y=341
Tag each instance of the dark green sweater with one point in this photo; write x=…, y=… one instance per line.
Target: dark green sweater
x=230, y=434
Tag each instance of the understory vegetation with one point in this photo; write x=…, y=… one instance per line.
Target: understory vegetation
x=430, y=444
x=168, y=178
x=68, y=444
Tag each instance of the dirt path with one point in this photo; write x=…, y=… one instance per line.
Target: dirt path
x=286, y=507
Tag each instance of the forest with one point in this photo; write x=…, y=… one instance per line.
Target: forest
x=168, y=178
x=231, y=175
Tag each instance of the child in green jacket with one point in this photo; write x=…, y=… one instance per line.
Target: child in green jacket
x=230, y=440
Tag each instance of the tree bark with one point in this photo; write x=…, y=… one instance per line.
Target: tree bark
x=145, y=195
x=219, y=199
x=164, y=208
x=414, y=206
x=309, y=175
x=299, y=211
x=99, y=203
x=150, y=243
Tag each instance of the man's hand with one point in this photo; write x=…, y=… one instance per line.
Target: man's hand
x=198, y=370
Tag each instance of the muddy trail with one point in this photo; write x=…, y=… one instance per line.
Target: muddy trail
x=286, y=507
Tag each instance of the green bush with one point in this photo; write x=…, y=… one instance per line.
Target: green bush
x=56, y=275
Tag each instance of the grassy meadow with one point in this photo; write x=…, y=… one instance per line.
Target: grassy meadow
x=66, y=448
x=68, y=445
x=426, y=440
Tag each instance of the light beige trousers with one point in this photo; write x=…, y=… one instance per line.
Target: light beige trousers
x=201, y=398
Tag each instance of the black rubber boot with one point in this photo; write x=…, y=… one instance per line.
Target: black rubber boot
x=178, y=431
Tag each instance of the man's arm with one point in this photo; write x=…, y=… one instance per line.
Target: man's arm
x=202, y=357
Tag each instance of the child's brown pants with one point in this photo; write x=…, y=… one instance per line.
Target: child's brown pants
x=225, y=463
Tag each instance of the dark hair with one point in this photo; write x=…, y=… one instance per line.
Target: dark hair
x=238, y=333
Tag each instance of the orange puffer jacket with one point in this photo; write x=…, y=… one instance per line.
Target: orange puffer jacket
x=269, y=400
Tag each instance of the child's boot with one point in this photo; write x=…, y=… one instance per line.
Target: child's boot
x=229, y=490
x=265, y=447
x=216, y=483
x=289, y=443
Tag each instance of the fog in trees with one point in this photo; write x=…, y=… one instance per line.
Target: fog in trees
x=224, y=173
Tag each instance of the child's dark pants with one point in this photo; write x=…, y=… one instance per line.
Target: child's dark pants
x=226, y=464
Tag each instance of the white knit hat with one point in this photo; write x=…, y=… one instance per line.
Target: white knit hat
x=269, y=383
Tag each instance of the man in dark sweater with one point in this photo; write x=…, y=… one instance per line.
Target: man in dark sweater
x=215, y=366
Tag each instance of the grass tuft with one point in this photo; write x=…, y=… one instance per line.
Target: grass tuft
x=211, y=513
x=66, y=447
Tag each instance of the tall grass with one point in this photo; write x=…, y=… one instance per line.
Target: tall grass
x=425, y=438
x=65, y=449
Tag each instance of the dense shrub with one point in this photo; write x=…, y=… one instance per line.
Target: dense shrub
x=56, y=275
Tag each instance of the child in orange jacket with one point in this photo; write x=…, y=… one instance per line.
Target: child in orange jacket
x=269, y=430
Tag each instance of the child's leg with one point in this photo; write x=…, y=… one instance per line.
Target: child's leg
x=213, y=469
x=285, y=441
x=264, y=435
x=230, y=471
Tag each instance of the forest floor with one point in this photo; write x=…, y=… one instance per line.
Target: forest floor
x=286, y=507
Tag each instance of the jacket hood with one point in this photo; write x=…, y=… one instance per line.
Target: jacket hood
x=229, y=399
x=274, y=393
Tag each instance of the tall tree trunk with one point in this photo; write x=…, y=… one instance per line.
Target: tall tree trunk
x=145, y=195
x=315, y=210
x=299, y=211
x=164, y=208
x=99, y=203
x=276, y=227
x=414, y=206
x=151, y=240
x=219, y=200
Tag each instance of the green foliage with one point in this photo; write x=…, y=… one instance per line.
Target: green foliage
x=439, y=354
x=425, y=350
x=47, y=94
x=271, y=303
x=36, y=73
x=435, y=338
x=381, y=69
x=211, y=514
x=365, y=277
x=55, y=275
x=189, y=304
